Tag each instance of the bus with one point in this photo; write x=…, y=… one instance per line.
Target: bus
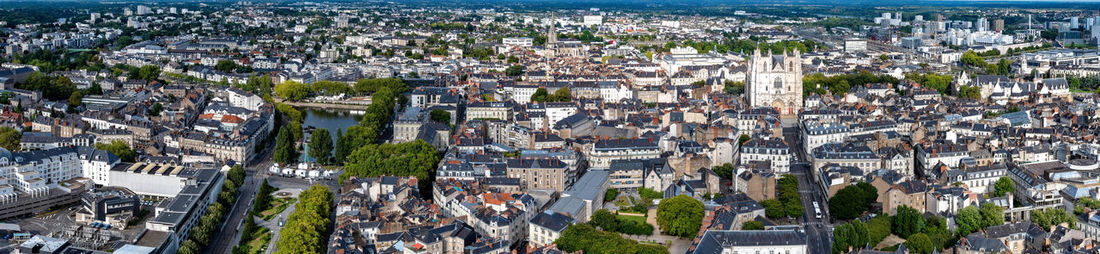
x=817, y=210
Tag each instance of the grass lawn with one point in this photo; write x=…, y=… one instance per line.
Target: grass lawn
x=639, y=219
x=260, y=241
x=278, y=205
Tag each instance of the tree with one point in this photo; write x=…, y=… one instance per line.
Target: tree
x=970, y=92
x=1050, y=217
x=236, y=174
x=305, y=226
x=611, y=194
x=540, y=95
x=9, y=138
x=972, y=59
x=919, y=243
x=513, y=71
x=787, y=192
x=561, y=95
x=851, y=201
x=292, y=90
x=341, y=149
x=969, y=220
x=773, y=209
x=370, y=86
x=1003, y=186
x=149, y=72
x=189, y=247
x=940, y=82
x=285, y=152
x=733, y=88
x=118, y=148
x=417, y=158
x=680, y=216
x=441, y=116
x=908, y=221
x=992, y=215
x=724, y=171
x=603, y=219
x=586, y=238
x=752, y=225
x=850, y=236
x=878, y=229
x=320, y=146
x=330, y=88
x=75, y=99
x=156, y=110
x=226, y=65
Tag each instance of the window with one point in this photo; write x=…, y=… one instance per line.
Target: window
x=778, y=84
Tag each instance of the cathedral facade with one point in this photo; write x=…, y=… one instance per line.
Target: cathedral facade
x=775, y=81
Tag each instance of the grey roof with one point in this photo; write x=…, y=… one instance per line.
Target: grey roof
x=570, y=206
x=551, y=220
x=713, y=241
x=590, y=186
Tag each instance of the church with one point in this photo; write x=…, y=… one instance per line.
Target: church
x=775, y=81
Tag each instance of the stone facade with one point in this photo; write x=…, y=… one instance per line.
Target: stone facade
x=775, y=81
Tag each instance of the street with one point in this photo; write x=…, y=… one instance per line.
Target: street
x=229, y=234
x=818, y=231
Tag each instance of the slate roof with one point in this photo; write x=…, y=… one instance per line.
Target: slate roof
x=713, y=241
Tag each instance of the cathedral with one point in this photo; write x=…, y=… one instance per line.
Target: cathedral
x=775, y=81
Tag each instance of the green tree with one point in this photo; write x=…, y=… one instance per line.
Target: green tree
x=968, y=220
x=992, y=215
x=370, y=86
x=292, y=90
x=149, y=72
x=853, y=200
x=733, y=88
x=156, y=109
x=329, y=88
x=724, y=171
x=305, y=227
x=285, y=151
x=540, y=95
x=514, y=70
x=1050, y=217
x=75, y=99
x=586, y=238
x=118, y=148
x=341, y=149
x=236, y=174
x=9, y=138
x=561, y=95
x=441, y=116
x=226, y=65
x=908, y=221
x=610, y=195
x=752, y=225
x=320, y=146
x=919, y=243
x=850, y=236
x=1003, y=186
x=972, y=59
x=680, y=216
x=604, y=219
x=878, y=229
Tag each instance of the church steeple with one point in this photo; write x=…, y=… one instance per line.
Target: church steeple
x=552, y=34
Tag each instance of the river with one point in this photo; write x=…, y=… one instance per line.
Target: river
x=331, y=120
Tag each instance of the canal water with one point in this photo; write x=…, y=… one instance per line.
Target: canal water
x=331, y=120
